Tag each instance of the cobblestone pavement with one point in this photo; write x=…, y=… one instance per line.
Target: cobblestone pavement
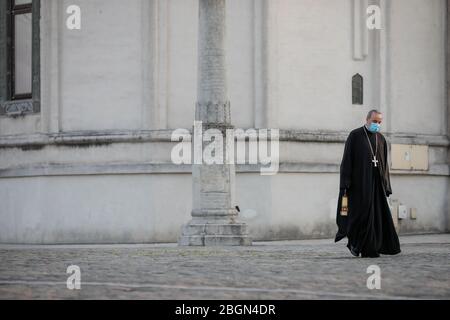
x=311, y=269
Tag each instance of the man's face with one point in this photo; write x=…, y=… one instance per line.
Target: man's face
x=376, y=118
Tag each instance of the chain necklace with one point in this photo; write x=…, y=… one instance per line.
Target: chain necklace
x=375, y=161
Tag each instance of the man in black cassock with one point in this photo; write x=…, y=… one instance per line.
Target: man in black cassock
x=364, y=178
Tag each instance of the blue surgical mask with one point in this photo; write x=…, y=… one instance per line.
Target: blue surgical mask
x=374, y=127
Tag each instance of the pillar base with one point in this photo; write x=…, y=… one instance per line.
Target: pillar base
x=214, y=234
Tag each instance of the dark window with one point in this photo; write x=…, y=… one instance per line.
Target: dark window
x=357, y=89
x=19, y=54
x=21, y=50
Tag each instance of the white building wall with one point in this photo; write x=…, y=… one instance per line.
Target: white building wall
x=315, y=66
x=417, y=61
x=94, y=209
x=101, y=67
x=102, y=176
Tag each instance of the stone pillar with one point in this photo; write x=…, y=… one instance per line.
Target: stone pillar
x=448, y=70
x=214, y=217
x=448, y=104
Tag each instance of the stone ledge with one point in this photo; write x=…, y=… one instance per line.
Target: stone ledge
x=168, y=168
x=137, y=136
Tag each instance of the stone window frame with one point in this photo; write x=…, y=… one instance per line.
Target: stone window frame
x=8, y=105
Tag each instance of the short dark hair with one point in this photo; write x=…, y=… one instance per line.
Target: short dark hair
x=371, y=112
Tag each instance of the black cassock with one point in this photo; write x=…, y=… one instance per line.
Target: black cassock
x=368, y=226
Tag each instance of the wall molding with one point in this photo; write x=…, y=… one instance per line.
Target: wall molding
x=52, y=21
x=162, y=53
x=259, y=57
x=139, y=136
x=67, y=169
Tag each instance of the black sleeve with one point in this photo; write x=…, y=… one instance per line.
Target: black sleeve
x=387, y=178
x=346, y=165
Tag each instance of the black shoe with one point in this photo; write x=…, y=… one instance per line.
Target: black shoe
x=353, y=250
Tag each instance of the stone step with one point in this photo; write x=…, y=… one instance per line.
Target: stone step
x=215, y=240
x=235, y=229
